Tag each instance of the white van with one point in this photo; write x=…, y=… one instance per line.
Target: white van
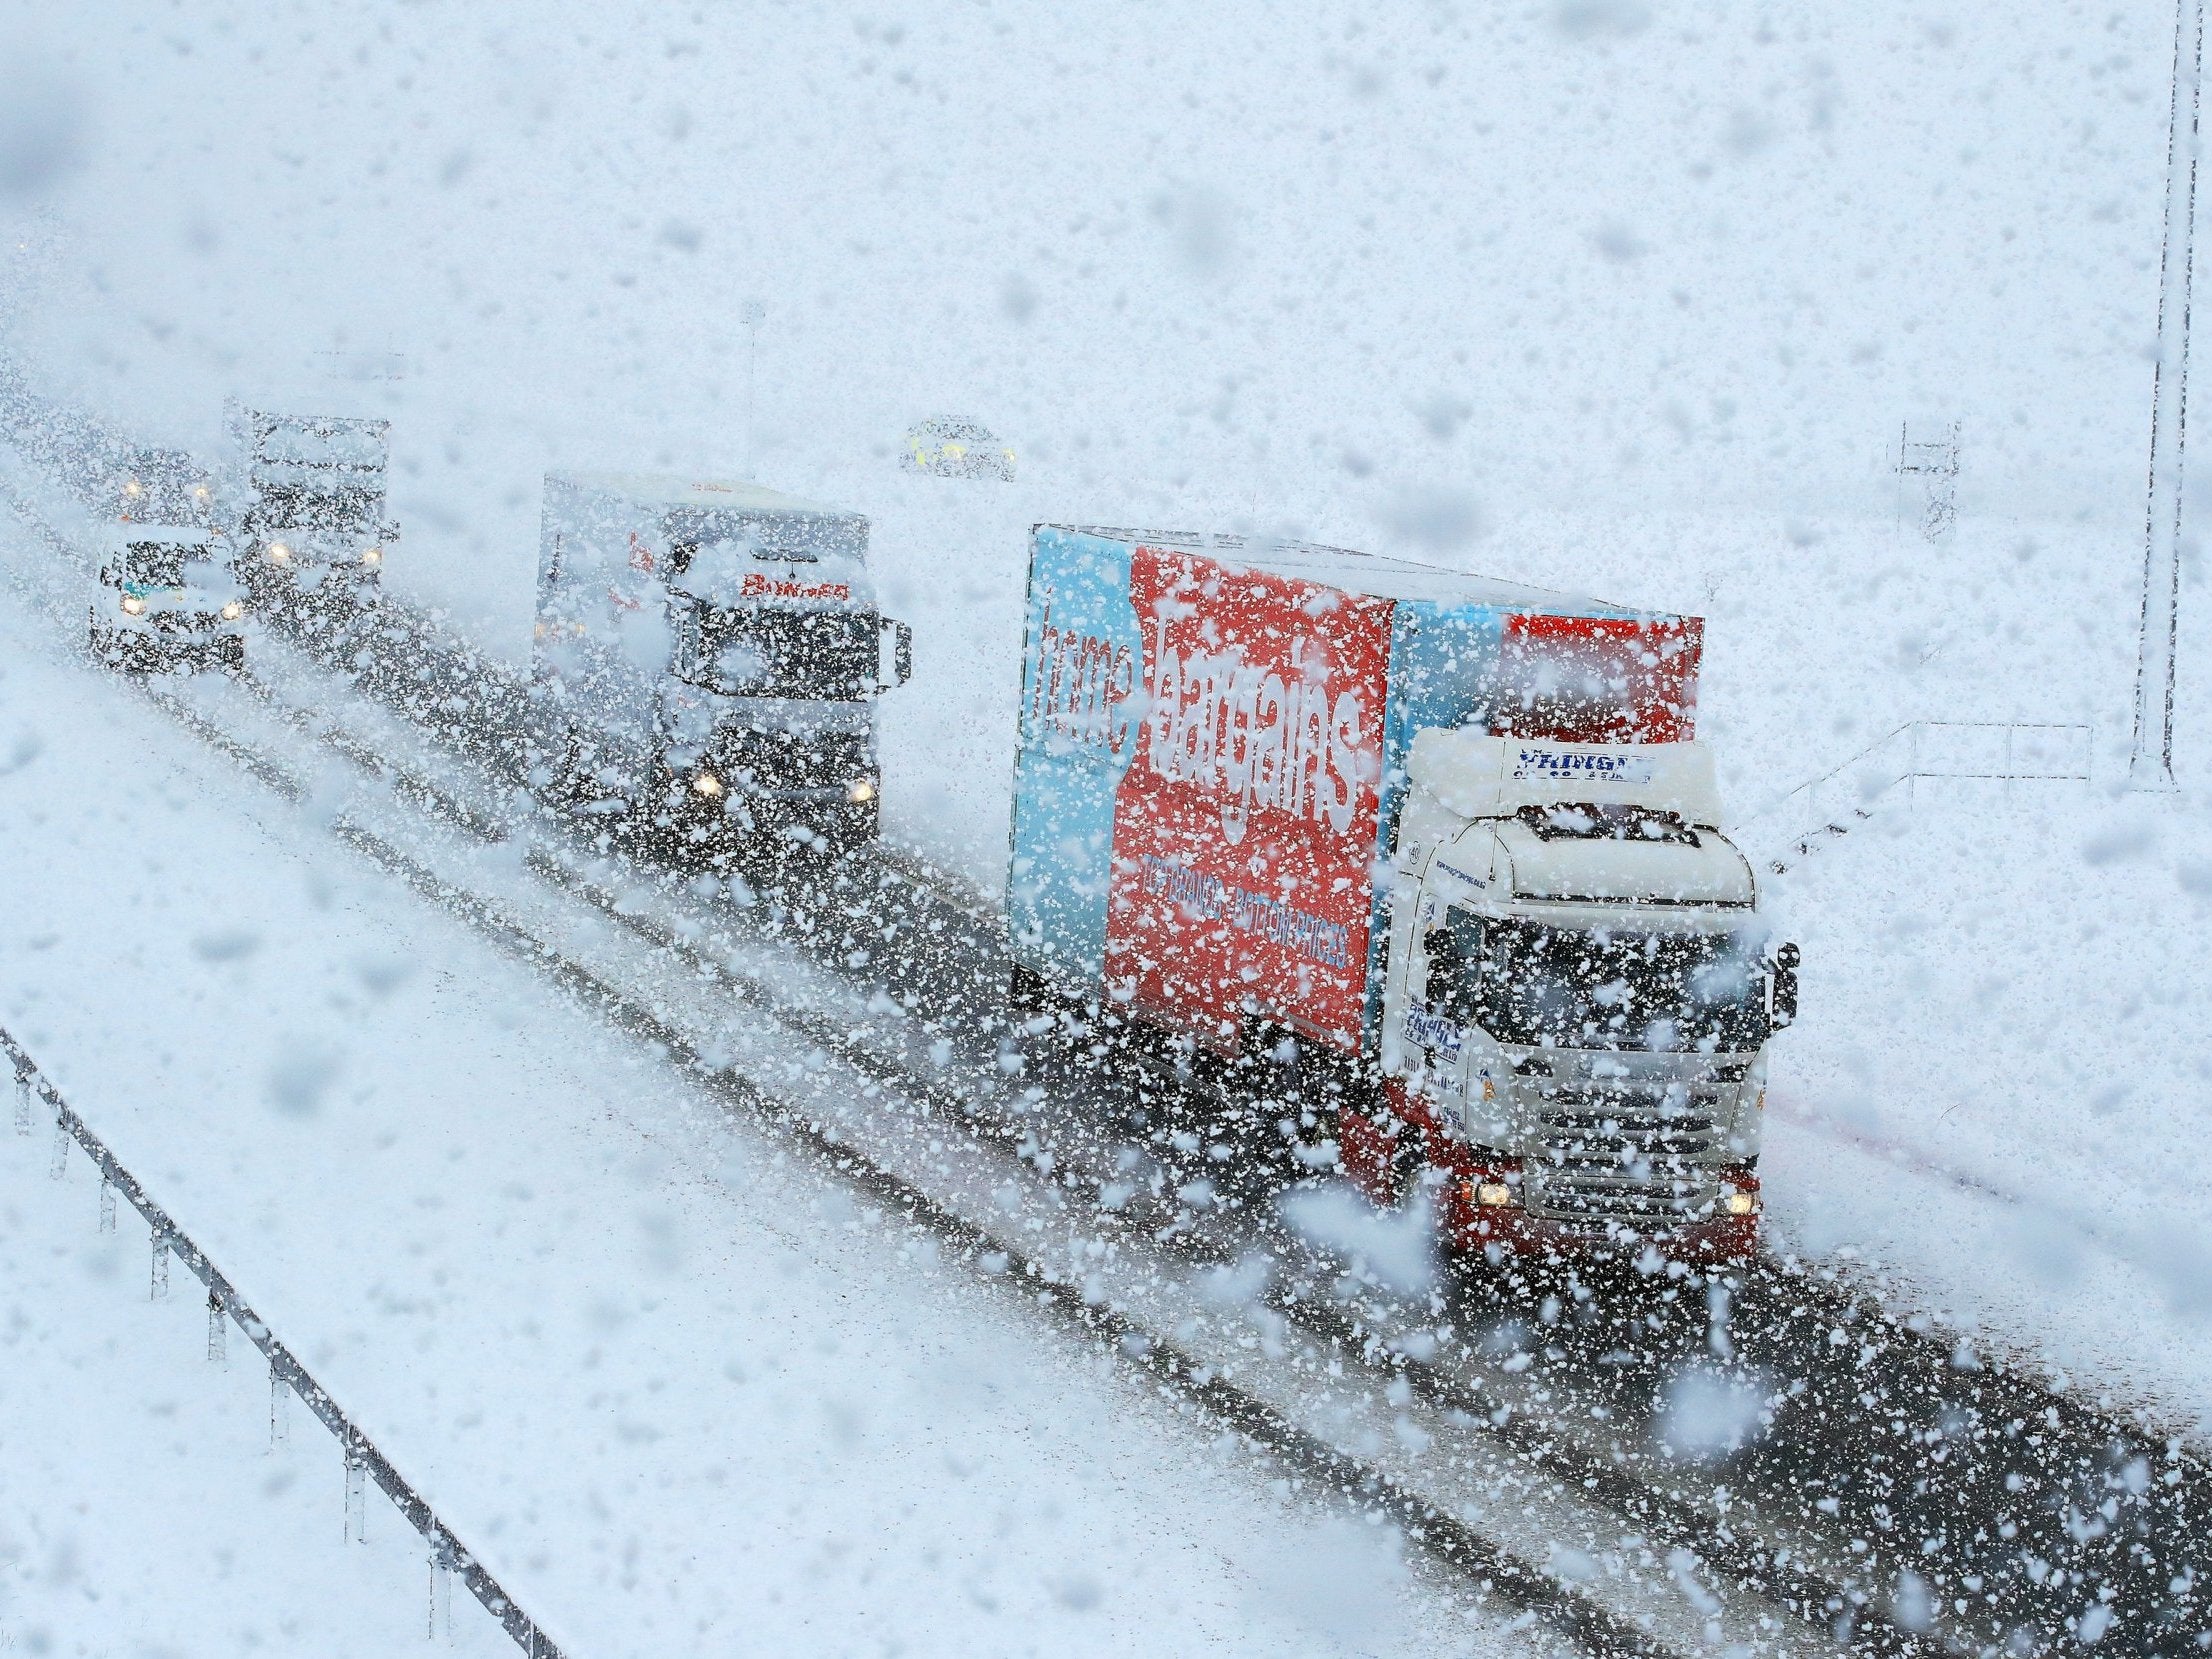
x=168, y=599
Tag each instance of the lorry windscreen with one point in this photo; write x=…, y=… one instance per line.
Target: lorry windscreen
x=156, y=564
x=1621, y=988
x=777, y=653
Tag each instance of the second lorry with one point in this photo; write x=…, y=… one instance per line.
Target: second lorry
x=709, y=655
x=1434, y=860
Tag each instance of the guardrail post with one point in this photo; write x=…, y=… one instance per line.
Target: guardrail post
x=22, y=1103
x=357, y=1491
x=217, y=1334
x=61, y=1150
x=280, y=1417
x=107, y=1204
x=158, y=1284
x=441, y=1590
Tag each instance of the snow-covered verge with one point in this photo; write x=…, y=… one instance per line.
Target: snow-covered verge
x=1999, y=1102
x=679, y=1392
x=142, y=1506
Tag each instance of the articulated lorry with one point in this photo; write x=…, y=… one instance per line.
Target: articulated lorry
x=309, y=498
x=709, y=657
x=1432, y=862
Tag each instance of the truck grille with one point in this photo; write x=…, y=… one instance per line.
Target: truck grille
x=791, y=760
x=1636, y=1156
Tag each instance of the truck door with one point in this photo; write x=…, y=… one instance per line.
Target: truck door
x=1442, y=998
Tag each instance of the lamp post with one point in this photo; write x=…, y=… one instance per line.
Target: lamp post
x=2151, y=762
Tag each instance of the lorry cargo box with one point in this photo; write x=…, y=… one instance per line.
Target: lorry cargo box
x=1214, y=740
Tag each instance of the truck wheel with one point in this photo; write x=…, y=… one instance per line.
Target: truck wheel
x=1315, y=1138
x=1029, y=992
x=1284, y=1081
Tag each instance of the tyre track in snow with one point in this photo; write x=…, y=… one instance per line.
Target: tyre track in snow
x=1887, y=1499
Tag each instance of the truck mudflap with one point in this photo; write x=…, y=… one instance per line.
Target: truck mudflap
x=1399, y=1141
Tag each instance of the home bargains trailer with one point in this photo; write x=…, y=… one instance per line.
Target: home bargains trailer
x=1223, y=746
x=710, y=654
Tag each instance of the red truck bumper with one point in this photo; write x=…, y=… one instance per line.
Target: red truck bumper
x=1381, y=1154
x=1470, y=1228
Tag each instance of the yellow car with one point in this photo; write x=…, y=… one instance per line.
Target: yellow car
x=957, y=449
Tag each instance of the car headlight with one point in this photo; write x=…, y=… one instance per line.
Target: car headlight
x=232, y=611
x=279, y=554
x=1740, y=1202
x=863, y=791
x=707, y=784
x=373, y=557
x=133, y=605
x=1490, y=1195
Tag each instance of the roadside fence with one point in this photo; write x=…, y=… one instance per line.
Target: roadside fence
x=1919, y=752
x=288, y=1378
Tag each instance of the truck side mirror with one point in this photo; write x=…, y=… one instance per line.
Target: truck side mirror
x=1784, y=999
x=902, y=653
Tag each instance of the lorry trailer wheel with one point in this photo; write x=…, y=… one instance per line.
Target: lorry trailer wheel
x=1298, y=1088
x=1028, y=991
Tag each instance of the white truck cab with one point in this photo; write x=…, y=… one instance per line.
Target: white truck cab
x=169, y=598
x=713, y=653
x=1578, y=995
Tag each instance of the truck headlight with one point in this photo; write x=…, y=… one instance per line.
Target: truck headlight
x=133, y=605
x=862, y=792
x=279, y=554
x=232, y=611
x=707, y=784
x=1740, y=1202
x=1490, y=1195
x=373, y=557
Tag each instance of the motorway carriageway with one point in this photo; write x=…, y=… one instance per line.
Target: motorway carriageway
x=1903, y=1446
